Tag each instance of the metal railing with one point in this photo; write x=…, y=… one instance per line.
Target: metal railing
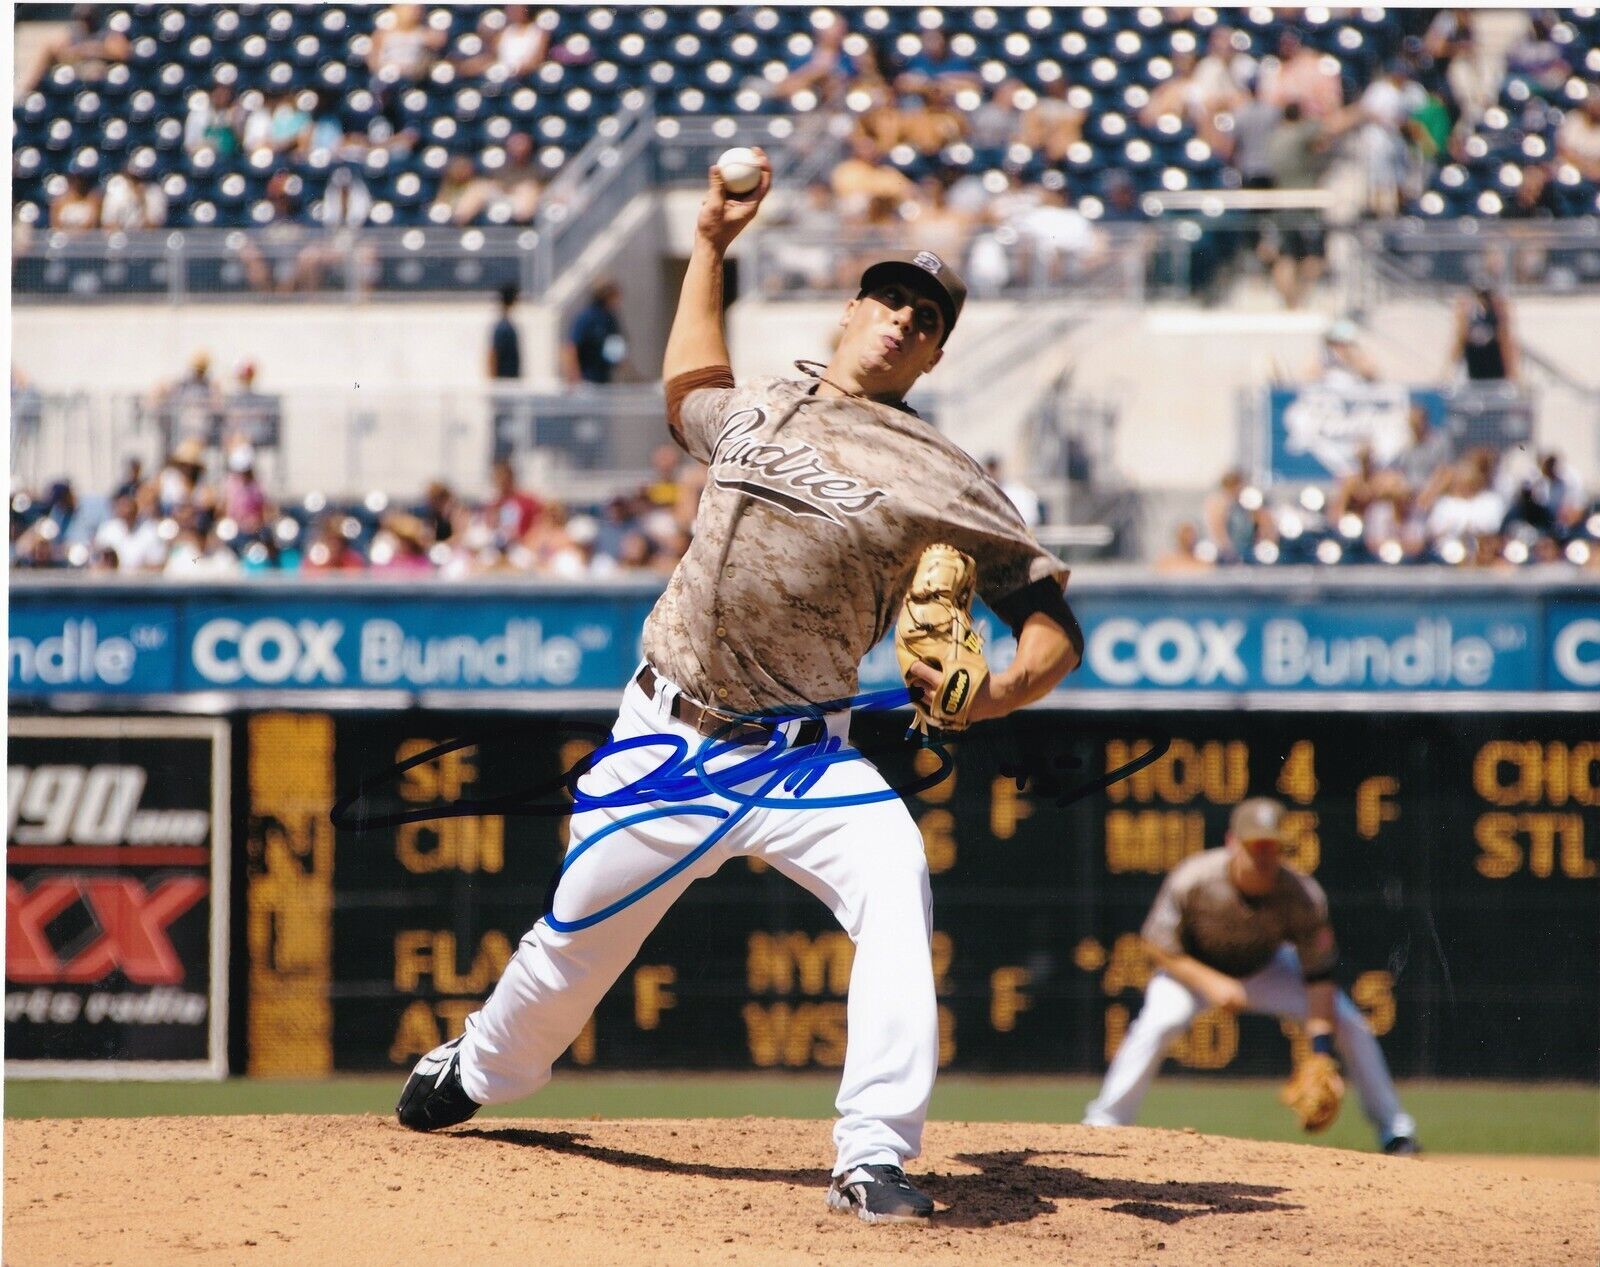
x=286, y=261
x=592, y=190
x=1421, y=256
x=345, y=441
x=805, y=263
x=801, y=149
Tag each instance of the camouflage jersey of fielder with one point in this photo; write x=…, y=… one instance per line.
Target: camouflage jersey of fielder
x=814, y=515
x=815, y=512
x=1201, y=913
x=1274, y=945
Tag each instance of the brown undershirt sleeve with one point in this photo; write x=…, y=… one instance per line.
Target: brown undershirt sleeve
x=680, y=385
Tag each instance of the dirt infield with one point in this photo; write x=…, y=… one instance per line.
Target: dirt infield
x=359, y=1190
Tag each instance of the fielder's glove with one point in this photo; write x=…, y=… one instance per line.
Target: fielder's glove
x=935, y=627
x=1315, y=1092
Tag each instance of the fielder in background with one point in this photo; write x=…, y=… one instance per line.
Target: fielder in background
x=824, y=496
x=1234, y=928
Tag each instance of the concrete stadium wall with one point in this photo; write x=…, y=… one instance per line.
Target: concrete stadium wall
x=410, y=373
x=1176, y=372
x=1173, y=371
x=134, y=347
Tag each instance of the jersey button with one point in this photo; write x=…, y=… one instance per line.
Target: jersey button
x=721, y=631
x=722, y=692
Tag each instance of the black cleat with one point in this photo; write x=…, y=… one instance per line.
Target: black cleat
x=1402, y=1146
x=433, y=1095
x=879, y=1194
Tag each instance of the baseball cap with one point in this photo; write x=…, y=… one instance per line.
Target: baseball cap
x=928, y=273
x=1259, y=818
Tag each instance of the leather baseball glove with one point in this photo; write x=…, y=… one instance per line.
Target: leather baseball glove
x=1314, y=1092
x=935, y=627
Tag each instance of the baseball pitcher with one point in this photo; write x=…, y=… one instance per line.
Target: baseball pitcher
x=823, y=496
x=1234, y=928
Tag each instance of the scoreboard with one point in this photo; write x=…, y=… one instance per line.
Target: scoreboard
x=1460, y=853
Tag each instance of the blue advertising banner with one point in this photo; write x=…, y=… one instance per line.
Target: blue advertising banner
x=1314, y=432
x=1146, y=644
x=430, y=643
x=1211, y=637
x=98, y=645
x=1344, y=646
x=1574, y=641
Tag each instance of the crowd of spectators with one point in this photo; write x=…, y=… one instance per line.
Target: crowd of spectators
x=1482, y=509
x=205, y=513
x=1276, y=109
x=1011, y=162
x=1426, y=500
x=278, y=135
x=1287, y=120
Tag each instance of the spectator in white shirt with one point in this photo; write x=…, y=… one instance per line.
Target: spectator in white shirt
x=523, y=43
x=403, y=46
x=134, y=532
x=1221, y=75
x=195, y=554
x=1469, y=509
x=129, y=203
x=1061, y=234
x=1385, y=110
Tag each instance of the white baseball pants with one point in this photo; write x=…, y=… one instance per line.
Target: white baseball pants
x=864, y=862
x=1277, y=990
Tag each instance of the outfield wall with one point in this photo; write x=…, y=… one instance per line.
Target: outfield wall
x=1457, y=832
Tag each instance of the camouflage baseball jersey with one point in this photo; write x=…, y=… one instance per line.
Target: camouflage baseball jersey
x=814, y=514
x=1200, y=913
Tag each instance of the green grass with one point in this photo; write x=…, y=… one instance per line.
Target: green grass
x=1464, y=1117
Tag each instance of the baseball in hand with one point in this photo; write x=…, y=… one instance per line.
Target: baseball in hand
x=741, y=170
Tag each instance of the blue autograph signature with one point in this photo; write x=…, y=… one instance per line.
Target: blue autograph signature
x=683, y=777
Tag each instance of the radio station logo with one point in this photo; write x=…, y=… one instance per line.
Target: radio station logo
x=126, y=926
x=92, y=805
x=76, y=927
x=115, y=927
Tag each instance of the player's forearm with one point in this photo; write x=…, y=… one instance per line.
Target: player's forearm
x=696, y=340
x=1319, y=1008
x=1045, y=655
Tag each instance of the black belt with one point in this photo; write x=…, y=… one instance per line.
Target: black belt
x=719, y=725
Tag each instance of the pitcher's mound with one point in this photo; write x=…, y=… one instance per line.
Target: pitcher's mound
x=360, y=1190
